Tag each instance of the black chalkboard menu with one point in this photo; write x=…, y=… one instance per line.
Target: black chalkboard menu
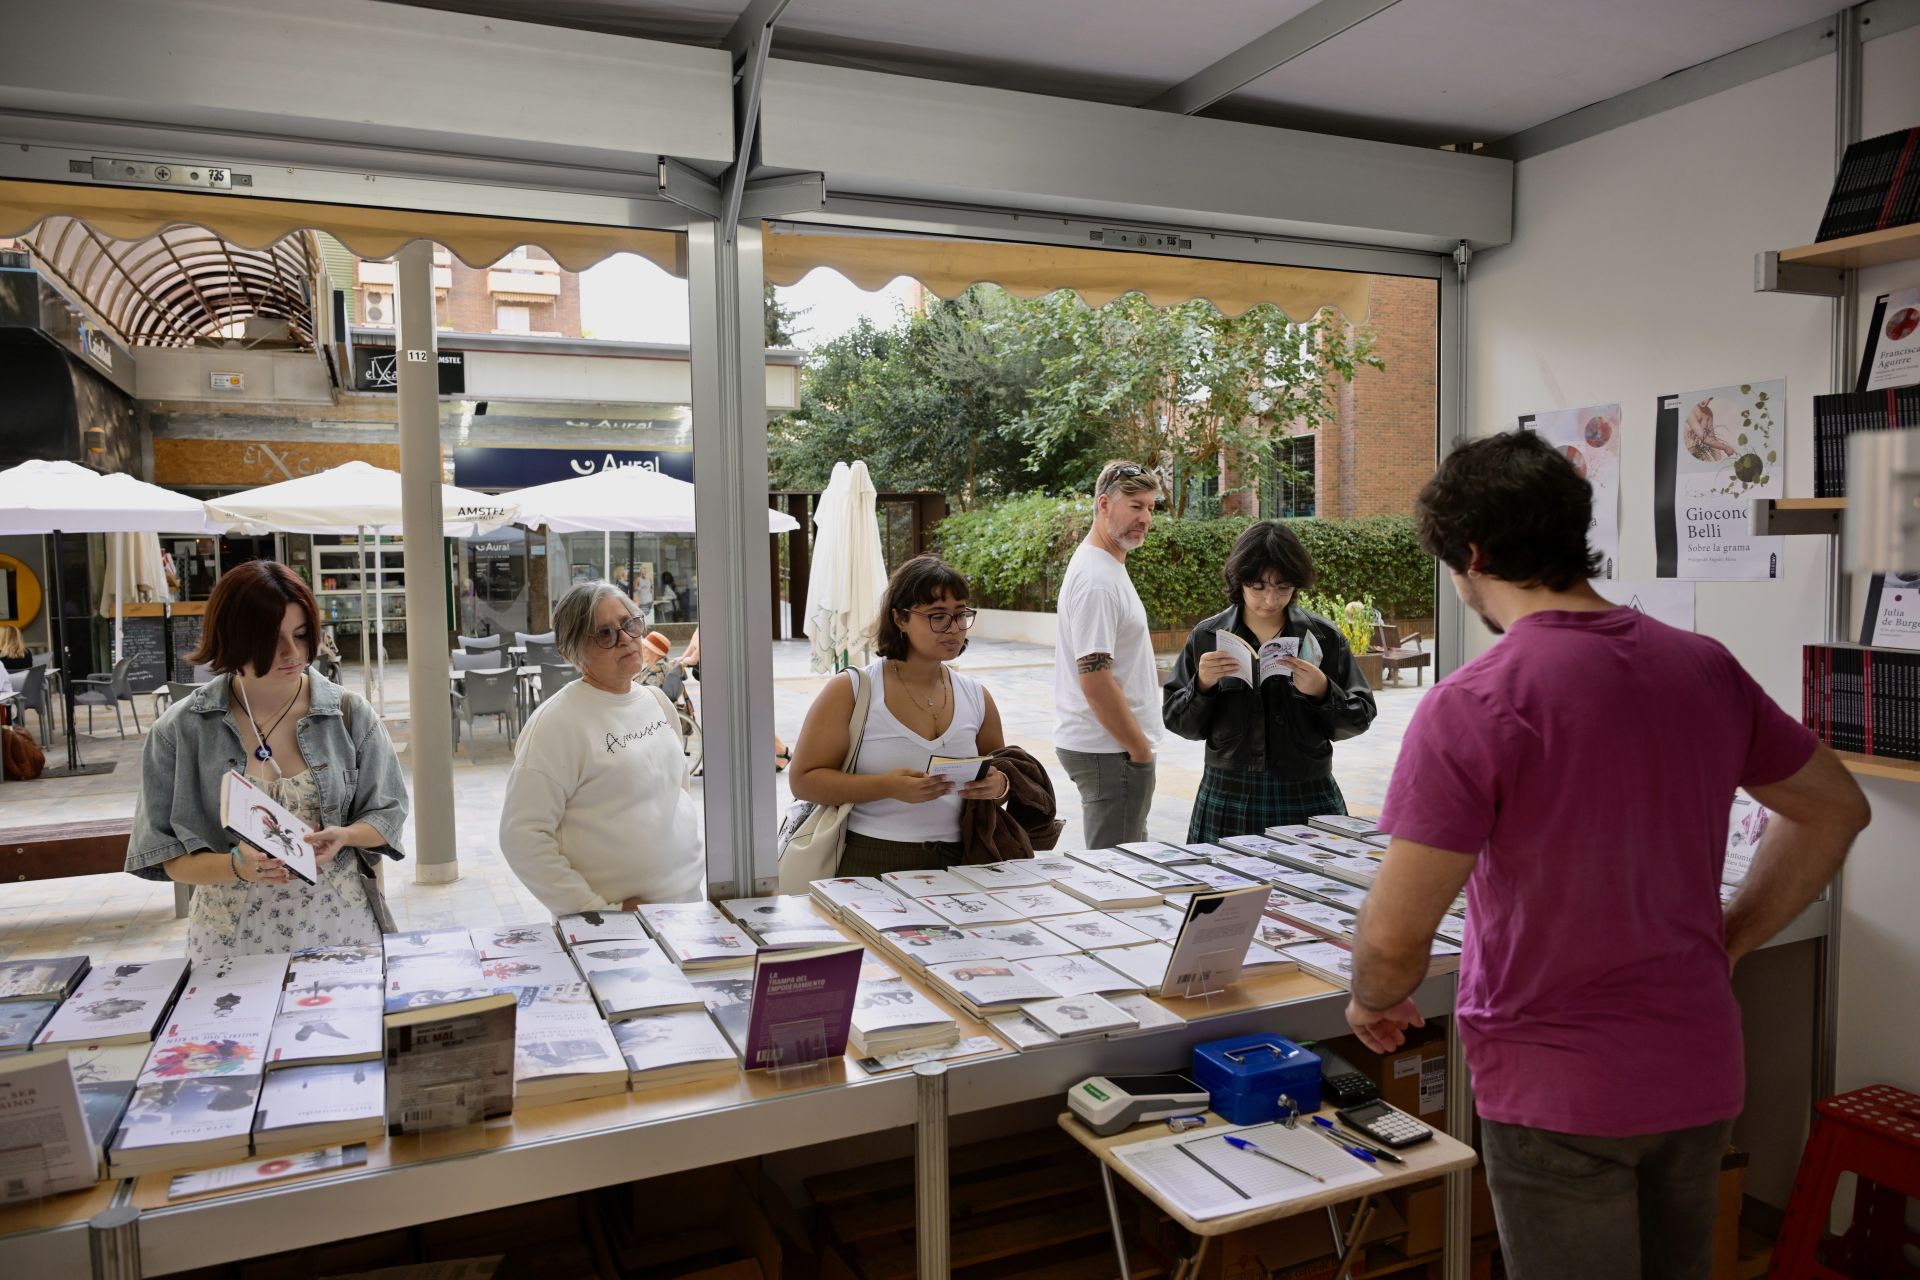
x=186, y=638
x=145, y=641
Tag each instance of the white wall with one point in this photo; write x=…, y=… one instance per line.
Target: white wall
x=1630, y=276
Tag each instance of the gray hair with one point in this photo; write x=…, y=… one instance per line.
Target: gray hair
x=573, y=618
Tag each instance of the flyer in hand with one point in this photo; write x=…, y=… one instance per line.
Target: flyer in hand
x=257, y=820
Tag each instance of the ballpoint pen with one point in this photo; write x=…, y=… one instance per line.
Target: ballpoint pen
x=1378, y=1153
x=1241, y=1144
x=1358, y=1152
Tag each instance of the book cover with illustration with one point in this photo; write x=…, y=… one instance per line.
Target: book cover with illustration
x=673, y=1047
x=257, y=820
x=1716, y=452
x=116, y=1004
x=319, y=1105
x=1589, y=438
x=41, y=979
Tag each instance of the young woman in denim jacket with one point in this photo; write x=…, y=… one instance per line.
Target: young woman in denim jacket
x=317, y=749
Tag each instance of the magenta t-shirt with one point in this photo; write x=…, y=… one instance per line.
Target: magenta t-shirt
x=1590, y=760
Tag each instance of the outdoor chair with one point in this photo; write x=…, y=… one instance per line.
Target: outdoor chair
x=541, y=654
x=30, y=693
x=490, y=661
x=203, y=672
x=533, y=637
x=108, y=689
x=477, y=642
x=672, y=681
x=555, y=676
x=171, y=692
x=487, y=693
x=1398, y=652
x=328, y=667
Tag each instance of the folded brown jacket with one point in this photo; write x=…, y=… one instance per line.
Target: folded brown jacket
x=995, y=831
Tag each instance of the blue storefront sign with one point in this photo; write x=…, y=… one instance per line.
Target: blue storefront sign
x=518, y=468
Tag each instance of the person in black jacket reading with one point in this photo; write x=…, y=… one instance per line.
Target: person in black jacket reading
x=1269, y=688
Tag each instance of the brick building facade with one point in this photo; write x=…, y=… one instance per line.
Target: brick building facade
x=1380, y=448
x=525, y=292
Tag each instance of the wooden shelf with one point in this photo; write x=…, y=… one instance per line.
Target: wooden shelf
x=1881, y=766
x=1820, y=516
x=1873, y=249
x=1808, y=504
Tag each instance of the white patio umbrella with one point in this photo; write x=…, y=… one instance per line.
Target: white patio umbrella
x=353, y=498
x=63, y=497
x=620, y=500
x=849, y=573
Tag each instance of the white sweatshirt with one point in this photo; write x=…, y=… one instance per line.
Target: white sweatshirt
x=597, y=809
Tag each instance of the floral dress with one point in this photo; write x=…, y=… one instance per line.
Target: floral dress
x=254, y=919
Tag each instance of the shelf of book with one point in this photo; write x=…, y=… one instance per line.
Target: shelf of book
x=1871, y=249
x=1880, y=766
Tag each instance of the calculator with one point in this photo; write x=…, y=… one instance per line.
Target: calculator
x=1388, y=1127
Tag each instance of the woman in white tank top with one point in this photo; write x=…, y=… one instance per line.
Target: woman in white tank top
x=904, y=819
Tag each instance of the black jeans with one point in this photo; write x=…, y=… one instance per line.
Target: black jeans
x=1584, y=1208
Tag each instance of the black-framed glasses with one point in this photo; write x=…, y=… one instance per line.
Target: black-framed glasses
x=633, y=628
x=943, y=622
x=1269, y=588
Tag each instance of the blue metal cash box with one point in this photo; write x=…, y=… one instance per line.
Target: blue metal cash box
x=1247, y=1074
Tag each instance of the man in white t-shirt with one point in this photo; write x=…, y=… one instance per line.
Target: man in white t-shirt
x=1106, y=689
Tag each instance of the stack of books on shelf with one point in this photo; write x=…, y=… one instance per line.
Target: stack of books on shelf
x=1877, y=186
x=1862, y=700
x=1840, y=416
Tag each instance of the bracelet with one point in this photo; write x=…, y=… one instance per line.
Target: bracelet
x=233, y=855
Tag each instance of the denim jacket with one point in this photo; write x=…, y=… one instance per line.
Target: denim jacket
x=197, y=741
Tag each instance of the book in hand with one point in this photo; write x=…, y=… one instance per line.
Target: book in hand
x=21, y=1021
x=183, y=1124
x=1269, y=660
x=802, y=1005
x=1745, y=825
x=116, y=1004
x=958, y=770
x=600, y=926
x=674, y=1047
x=260, y=822
x=499, y=941
x=988, y=986
x=322, y=1104
x=450, y=1065
x=305, y=1036
x=564, y=1052
x=41, y=979
x=45, y=1145
x=633, y=978
x=1078, y=1016
x=889, y=1016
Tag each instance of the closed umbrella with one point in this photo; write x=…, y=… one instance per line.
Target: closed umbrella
x=64, y=497
x=849, y=573
x=353, y=498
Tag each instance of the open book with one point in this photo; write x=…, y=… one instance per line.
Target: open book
x=1270, y=658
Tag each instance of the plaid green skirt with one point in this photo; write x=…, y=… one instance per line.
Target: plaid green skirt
x=872, y=856
x=1235, y=803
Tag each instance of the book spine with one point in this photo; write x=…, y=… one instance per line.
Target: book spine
x=1883, y=218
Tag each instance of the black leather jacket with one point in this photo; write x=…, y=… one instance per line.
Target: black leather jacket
x=1274, y=727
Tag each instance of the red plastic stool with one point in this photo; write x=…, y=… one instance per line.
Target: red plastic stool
x=1875, y=1134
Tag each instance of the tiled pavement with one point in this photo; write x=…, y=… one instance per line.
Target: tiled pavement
x=123, y=917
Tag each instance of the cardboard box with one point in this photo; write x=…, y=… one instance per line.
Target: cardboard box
x=1413, y=1077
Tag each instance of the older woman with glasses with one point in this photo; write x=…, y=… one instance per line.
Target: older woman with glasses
x=904, y=818
x=597, y=814
x=1269, y=741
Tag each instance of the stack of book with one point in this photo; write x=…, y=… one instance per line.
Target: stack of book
x=1877, y=186
x=786, y=921
x=30, y=991
x=563, y=1049
x=450, y=1064
x=325, y=1105
x=1840, y=416
x=599, y=926
x=633, y=978
x=1862, y=700
x=115, y=1004
x=502, y=941
x=672, y=1048
x=889, y=1016
x=427, y=969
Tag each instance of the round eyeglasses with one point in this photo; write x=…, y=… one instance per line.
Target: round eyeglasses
x=943, y=622
x=633, y=628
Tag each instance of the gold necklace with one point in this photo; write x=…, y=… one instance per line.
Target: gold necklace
x=933, y=707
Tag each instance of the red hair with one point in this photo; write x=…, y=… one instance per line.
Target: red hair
x=242, y=627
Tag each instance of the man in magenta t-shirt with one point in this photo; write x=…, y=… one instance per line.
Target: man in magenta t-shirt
x=1577, y=779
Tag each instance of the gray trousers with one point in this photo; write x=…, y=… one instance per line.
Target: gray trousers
x=1581, y=1208
x=1115, y=795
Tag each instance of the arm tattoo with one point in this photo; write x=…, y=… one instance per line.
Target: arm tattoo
x=1095, y=662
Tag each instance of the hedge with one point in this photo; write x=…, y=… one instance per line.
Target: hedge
x=1015, y=552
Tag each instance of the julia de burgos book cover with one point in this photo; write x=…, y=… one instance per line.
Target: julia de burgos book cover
x=802, y=1005
x=1716, y=453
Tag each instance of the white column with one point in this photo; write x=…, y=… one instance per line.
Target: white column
x=431, y=728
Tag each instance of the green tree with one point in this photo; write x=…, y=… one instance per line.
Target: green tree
x=780, y=319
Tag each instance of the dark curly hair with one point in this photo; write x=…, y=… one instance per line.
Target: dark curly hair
x=1263, y=548
x=1517, y=499
x=921, y=580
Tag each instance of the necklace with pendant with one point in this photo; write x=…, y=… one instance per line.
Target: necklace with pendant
x=935, y=701
x=264, y=753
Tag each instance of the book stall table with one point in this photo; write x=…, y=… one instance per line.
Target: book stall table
x=546, y=1151
x=1438, y=1155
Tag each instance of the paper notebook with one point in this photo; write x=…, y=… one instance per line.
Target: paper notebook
x=1205, y=1178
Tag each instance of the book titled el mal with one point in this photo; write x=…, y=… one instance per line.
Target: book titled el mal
x=802, y=1005
x=258, y=821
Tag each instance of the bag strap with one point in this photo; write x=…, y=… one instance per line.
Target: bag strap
x=857, y=726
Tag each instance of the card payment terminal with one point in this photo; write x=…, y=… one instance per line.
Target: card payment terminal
x=1108, y=1104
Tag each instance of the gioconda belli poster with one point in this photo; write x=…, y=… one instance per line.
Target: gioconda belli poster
x=1716, y=453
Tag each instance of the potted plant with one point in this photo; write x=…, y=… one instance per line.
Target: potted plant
x=1354, y=618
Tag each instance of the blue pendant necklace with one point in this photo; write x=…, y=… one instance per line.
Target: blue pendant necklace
x=264, y=753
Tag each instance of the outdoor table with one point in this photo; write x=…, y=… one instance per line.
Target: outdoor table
x=1438, y=1155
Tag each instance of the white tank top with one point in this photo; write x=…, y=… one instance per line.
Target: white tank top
x=890, y=745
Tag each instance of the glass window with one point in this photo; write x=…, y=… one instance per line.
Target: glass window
x=511, y=318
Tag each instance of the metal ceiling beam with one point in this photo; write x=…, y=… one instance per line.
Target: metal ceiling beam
x=1299, y=34
x=758, y=18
